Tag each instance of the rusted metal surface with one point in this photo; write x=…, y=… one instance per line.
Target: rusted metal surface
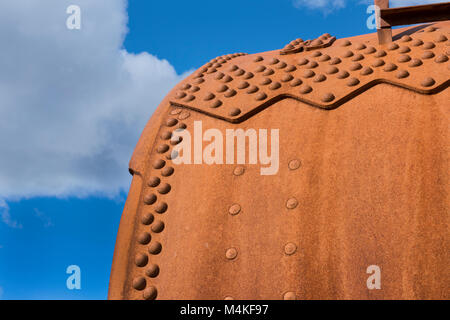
x=363, y=179
x=416, y=14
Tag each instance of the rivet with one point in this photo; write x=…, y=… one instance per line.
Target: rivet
x=290, y=248
x=328, y=97
x=231, y=253
x=261, y=96
x=141, y=260
x=194, y=89
x=209, y=96
x=233, y=68
x=290, y=68
x=430, y=29
x=427, y=55
x=219, y=76
x=347, y=54
x=239, y=170
x=161, y=207
x=378, y=63
x=393, y=46
x=402, y=74
x=274, y=86
x=324, y=58
x=352, y=82
x=417, y=42
x=335, y=61
x=152, y=271
x=171, y=122
x=287, y=77
x=320, y=78
x=429, y=45
x=153, y=181
x=167, y=171
x=316, y=54
x=199, y=80
x=230, y=93
x=332, y=70
x=164, y=188
x=370, y=50
x=268, y=72
x=441, y=38
x=281, y=65
x=308, y=74
x=428, y=82
x=155, y=248
x=176, y=111
x=441, y=58
x=404, y=58
x=150, y=199
x=294, y=164
x=222, y=88
x=302, y=61
x=157, y=226
x=291, y=203
x=312, y=64
x=258, y=59
x=144, y=238
x=260, y=69
x=239, y=72
x=265, y=81
x=380, y=54
x=415, y=63
x=345, y=43
x=405, y=38
x=227, y=78
x=147, y=218
x=228, y=298
x=366, y=71
x=305, y=89
x=162, y=148
x=150, y=293
x=358, y=57
x=234, y=209
x=139, y=283
x=390, y=67
x=289, y=296
x=360, y=46
x=186, y=86
x=248, y=75
x=159, y=163
x=234, y=112
x=189, y=98
x=252, y=89
x=296, y=82
x=215, y=104
x=274, y=61
x=166, y=135
x=404, y=49
x=180, y=95
x=184, y=115
x=355, y=66
x=243, y=85
x=343, y=74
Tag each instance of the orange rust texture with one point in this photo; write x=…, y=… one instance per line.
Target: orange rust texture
x=363, y=179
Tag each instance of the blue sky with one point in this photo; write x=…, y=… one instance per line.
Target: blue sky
x=74, y=103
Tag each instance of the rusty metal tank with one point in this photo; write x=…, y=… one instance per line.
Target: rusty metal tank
x=363, y=177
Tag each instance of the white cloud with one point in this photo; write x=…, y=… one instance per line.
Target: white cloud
x=6, y=216
x=72, y=102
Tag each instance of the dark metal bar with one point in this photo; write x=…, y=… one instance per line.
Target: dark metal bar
x=416, y=14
